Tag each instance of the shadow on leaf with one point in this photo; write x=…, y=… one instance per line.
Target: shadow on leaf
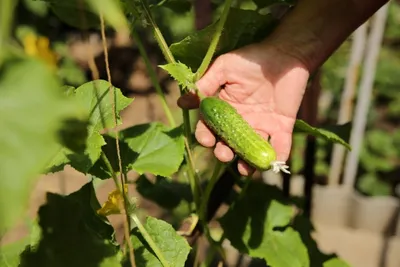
x=72, y=233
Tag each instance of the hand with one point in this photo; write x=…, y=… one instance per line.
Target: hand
x=266, y=87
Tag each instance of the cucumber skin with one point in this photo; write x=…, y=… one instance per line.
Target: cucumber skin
x=229, y=125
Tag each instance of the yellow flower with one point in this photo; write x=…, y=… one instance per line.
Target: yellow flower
x=113, y=204
x=40, y=47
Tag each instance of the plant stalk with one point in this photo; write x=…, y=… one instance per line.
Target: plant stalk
x=153, y=78
x=6, y=18
x=185, y=113
x=214, y=178
x=214, y=42
x=150, y=241
x=158, y=35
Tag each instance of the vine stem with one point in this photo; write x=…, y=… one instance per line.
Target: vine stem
x=193, y=178
x=203, y=207
x=158, y=35
x=127, y=206
x=153, y=77
x=150, y=241
x=207, y=192
x=214, y=42
x=6, y=16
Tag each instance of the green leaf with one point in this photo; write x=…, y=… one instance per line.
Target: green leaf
x=167, y=194
x=151, y=148
x=72, y=11
x=181, y=73
x=268, y=3
x=94, y=98
x=173, y=246
x=112, y=11
x=85, y=14
x=9, y=254
x=36, y=7
x=32, y=109
x=72, y=232
x=242, y=27
x=303, y=127
x=370, y=184
x=160, y=149
x=251, y=226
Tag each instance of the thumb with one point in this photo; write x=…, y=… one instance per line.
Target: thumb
x=213, y=78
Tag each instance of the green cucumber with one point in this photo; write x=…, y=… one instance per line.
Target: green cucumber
x=229, y=125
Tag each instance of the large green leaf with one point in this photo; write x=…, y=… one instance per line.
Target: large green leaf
x=85, y=14
x=72, y=232
x=242, y=27
x=94, y=97
x=9, y=254
x=151, y=148
x=251, y=226
x=174, y=247
x=32, y=109
x=329, y=135
x=167, y=194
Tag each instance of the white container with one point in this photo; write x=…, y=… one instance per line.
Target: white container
x=376, y=214
x=331, y=205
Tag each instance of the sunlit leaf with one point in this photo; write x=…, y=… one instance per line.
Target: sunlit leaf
x=151, y=148
x=32, y=110
x=94, y=97
x=181, y=73
x=174, y=247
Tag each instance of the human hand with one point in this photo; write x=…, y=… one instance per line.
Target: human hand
x=266, y=87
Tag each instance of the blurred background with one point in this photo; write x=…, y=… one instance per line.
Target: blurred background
x=352, y=198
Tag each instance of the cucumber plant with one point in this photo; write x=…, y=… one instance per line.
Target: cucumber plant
x=76, y=127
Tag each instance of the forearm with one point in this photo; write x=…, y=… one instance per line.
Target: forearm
x=314, y=29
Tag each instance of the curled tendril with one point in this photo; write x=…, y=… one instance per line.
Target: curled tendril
x=279, y=166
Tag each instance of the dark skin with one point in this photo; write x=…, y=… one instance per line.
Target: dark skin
x=266, y=81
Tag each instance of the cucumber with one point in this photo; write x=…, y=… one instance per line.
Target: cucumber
x=229, y=125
